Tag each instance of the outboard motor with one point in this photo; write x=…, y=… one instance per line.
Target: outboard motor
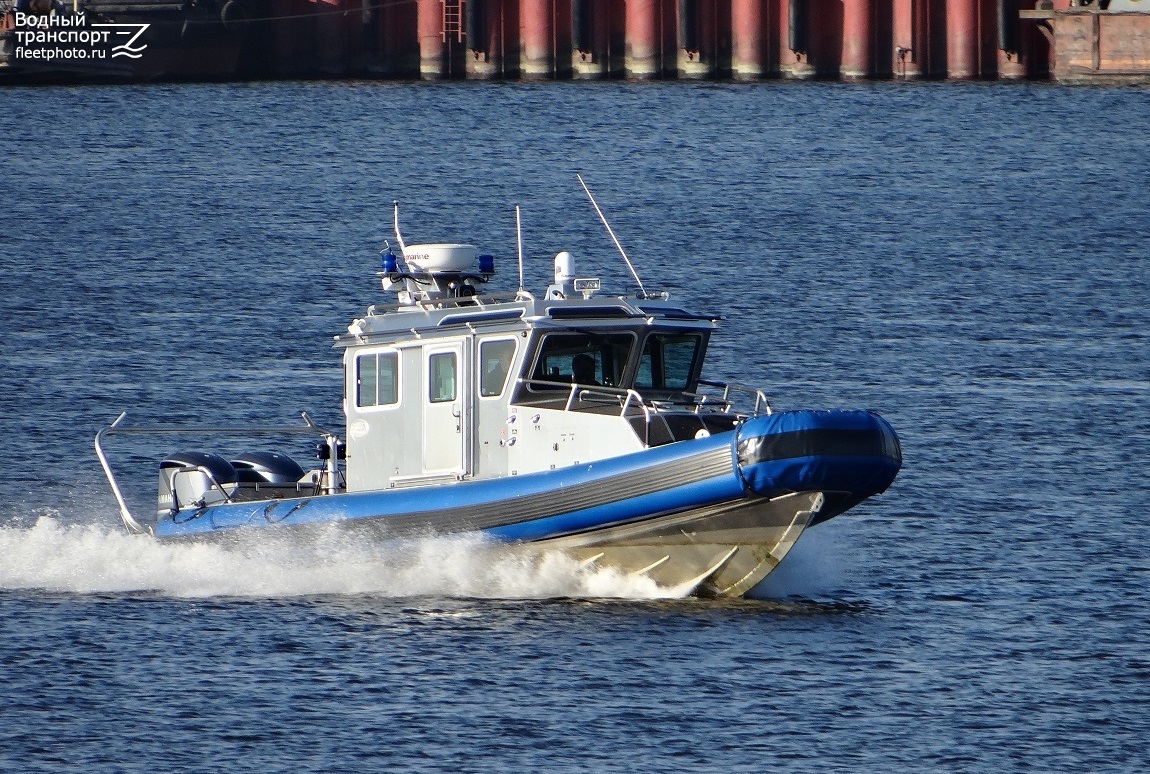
x=266, y=475
x=194, y=479
x=267, y=468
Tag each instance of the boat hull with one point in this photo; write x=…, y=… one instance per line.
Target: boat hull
x=716, y=551
x=712, y=515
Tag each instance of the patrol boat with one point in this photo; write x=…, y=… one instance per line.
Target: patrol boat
x=572, y=421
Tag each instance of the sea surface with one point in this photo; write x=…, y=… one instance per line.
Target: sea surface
x=970, y=260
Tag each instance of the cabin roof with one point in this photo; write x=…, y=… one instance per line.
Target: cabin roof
x=510, y=310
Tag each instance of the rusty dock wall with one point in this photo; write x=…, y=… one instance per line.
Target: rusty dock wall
x=652, y=39
x=633, y=39
x=1094, y=46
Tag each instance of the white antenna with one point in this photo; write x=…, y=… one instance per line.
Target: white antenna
x=615, y=239
x=519, y=247
x=398, y=236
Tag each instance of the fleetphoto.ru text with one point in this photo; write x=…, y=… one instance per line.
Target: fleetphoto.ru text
x=73, y=36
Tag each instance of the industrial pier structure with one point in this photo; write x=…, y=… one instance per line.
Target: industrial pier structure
x=651, y=39
x=597, y=39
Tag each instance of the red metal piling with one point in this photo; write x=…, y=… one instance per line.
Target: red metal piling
x=641, y=57
x=962, y=39
x=692, y=39
x=537, y=37
x=432, y=46
x=856, y=40
x=907, y=52
x=748, y=50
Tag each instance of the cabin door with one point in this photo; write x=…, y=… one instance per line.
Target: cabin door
x=446, y=420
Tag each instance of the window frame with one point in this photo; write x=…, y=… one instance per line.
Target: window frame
x=693, y=371
x=623, y=369
x=391, y=354
x=433, y=376
x=503, y=387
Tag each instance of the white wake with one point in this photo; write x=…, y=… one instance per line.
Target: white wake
x=87, y=558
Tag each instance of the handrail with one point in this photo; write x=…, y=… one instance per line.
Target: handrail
x=478, y=301
x=211, y=480
x=130, y=522
x=728, y=388
x=630, y=398
x=113, y=430
x=133, y=526
x=582, y=392
x=577, y=390
x=697, y=400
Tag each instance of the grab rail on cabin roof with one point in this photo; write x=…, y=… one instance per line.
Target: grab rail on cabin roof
x=463, y=302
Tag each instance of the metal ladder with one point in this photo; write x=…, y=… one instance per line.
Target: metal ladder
x=453, y=20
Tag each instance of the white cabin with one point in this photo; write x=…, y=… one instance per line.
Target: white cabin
x=450, y=384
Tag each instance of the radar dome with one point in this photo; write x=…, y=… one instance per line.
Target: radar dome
x=438, y=258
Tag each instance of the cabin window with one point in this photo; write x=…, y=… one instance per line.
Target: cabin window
x=441, y=368
x=495, y=361
x=668, y=361
x=377, y=379
x=585, y=358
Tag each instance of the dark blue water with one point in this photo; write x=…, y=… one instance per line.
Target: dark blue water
x=969, y=260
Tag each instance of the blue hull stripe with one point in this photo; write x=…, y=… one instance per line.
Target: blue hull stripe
x=715, y=490
x=853, y=452
x=556, y=502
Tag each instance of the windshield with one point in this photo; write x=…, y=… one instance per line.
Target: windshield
x=669, y=361
x=583, y=358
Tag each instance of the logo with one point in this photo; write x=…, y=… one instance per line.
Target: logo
x=132, y=47
x=72, y=37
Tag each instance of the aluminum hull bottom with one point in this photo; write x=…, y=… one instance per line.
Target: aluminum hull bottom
x=719, y=550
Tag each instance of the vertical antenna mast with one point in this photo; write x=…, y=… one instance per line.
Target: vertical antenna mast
x=519, y=247
x=398, y=236
x=615, y=239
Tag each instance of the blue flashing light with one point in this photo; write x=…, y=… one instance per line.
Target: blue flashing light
x=390, y=264
x=487, y=264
